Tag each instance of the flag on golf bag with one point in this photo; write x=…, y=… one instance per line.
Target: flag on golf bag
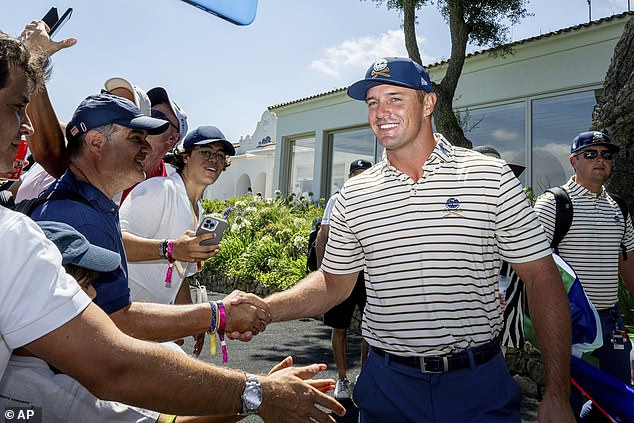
x=613, y=397
x=586, y=326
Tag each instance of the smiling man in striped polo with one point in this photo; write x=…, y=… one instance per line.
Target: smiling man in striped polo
x=429, y=225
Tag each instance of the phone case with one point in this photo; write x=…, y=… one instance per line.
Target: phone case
x=210, y=224
x=239, y=12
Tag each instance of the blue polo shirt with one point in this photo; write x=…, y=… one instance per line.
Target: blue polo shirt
x=100, y=225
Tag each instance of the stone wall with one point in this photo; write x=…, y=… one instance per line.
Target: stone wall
x=525, y=365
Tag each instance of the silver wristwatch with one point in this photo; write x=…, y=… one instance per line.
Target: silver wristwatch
x=252, y=395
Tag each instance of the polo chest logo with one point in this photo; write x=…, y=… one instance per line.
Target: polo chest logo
x=452, y=206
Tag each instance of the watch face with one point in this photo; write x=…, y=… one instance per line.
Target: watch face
x=253, y=397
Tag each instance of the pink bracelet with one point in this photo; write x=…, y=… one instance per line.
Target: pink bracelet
x=170, y=269
x=221, y=330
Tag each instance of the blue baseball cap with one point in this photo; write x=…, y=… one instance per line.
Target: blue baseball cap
x=207, y=135
x=104, y=109
x=400, y=71
x=592, y=138
x=76, y=249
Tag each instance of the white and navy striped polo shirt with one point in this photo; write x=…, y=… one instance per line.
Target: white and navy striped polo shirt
x=592, y=244
x=431, y=248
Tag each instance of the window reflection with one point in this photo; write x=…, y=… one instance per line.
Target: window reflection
x=302, y=168
x=501, y=127
x=346, y=147
x=556, y=121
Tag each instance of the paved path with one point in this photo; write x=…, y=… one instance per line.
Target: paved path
x=307, y=341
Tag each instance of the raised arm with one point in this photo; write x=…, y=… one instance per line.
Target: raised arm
x=47, y=142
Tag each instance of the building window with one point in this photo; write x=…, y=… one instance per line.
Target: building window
x=555, y=122
x=302, y=152
x=348, y=146
x=502, y=127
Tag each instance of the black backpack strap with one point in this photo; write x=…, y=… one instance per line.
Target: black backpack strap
x=623, y=206
x=28, y=206
x=563, y=216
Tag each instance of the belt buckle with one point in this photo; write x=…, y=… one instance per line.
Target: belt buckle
x=423, y=365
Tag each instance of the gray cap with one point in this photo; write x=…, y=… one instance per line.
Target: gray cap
x=76, y=249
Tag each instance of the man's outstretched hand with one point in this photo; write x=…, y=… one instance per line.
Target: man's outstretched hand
x=35, y=37
x=289, y=396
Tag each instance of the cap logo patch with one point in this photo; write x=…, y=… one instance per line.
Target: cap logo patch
x=597, y=137
x=82, y=125
x=380, y=68
x=422, y=81
x=379, y=65
x=74, y=131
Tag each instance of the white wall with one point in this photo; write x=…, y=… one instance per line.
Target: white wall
x=253, y=164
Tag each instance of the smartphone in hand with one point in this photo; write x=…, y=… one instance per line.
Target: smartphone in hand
x=53, y=20
x=209, y=225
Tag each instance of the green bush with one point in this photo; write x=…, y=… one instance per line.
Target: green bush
x=267, y=241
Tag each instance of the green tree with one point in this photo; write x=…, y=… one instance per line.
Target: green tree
x=483, y=23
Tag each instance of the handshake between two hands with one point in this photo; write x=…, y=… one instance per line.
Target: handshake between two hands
x=291, y=393
x=247, y=315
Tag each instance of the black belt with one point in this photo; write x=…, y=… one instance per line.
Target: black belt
x=438, y=364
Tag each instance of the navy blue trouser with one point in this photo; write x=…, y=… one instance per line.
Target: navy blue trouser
x=391, y=392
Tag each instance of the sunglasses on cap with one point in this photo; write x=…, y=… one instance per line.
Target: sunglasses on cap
x=593, y=154
x=160, y=115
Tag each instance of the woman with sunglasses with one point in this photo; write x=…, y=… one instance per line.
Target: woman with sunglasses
x=160, y=216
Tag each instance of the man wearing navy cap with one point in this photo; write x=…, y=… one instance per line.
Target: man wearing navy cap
x=429, y=225
x=107, y=148
x=594, y=244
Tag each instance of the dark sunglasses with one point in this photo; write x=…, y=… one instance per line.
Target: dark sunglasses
x=593, y=154
x=157, y=114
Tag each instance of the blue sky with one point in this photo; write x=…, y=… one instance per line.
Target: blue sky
x=227, y=75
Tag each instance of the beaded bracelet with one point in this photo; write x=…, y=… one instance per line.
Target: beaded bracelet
x=163, y=249
x=215, y=317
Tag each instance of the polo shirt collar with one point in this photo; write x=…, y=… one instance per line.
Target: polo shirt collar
x=576, y=189
x=442, y=153
x=88, y=191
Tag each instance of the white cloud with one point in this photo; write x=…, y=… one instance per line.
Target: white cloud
x=344, y=61
x=505, y=135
